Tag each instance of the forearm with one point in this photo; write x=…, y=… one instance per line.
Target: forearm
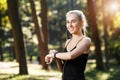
x=63, y=55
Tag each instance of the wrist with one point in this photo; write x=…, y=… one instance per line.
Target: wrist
x=55, y=54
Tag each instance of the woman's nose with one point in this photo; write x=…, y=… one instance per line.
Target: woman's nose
x=70, y=23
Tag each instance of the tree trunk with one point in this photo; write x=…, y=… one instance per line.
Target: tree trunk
x=17, y=34
x=44, y=30
x=1, y=54
x=1, y=36
x=96, y=39
x=105, y=26
x=41, y=36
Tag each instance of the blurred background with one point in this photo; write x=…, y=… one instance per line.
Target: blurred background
x=30, y=28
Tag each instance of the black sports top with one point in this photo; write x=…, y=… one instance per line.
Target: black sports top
x=74, y=69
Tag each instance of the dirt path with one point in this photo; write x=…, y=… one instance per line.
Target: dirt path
x=33, y=69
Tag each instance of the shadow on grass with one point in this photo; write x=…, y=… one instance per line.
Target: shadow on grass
x=112, y=74
x=91, y=74
x=7, y=76
x=115, y=73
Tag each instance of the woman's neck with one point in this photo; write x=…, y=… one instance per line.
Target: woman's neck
x=78, y=36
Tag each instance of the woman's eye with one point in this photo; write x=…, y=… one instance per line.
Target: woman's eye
x=67, y=21
x=73, y=21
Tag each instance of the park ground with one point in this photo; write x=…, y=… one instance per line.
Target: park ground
x=10, y=70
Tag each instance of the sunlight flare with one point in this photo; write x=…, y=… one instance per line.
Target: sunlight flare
x=113, y=7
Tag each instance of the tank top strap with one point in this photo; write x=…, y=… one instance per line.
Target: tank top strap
x=68, y=43
x=79, y=41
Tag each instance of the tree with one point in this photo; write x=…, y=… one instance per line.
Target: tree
x=41, y=33
x=1, y=34
x=44, y=30
x=96, y=39
x=17, y=34
x=105, y=26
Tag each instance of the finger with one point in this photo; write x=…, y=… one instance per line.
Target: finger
x=51, y=59
x=52, y=51
x=47, y=58
x=48, y=62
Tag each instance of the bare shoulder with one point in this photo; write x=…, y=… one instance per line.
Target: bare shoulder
x=86, y=40
x=85, y=44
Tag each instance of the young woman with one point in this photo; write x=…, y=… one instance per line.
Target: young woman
x=72, y=61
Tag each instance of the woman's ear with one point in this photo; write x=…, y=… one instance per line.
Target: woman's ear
x=82, y=22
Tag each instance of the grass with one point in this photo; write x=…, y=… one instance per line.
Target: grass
x=93, y=74
x=9, y=71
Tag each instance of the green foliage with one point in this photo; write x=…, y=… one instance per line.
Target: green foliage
x=32, y=50
x=56, y=25
x=116, y=20
x=4, y=24
x=114, y=45
x=93, y=74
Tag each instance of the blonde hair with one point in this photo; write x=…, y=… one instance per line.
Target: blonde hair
x=81, y=17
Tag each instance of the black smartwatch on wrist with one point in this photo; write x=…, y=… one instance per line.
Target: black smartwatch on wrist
x=55, y=54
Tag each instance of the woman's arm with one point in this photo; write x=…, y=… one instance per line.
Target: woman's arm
x=82, y=47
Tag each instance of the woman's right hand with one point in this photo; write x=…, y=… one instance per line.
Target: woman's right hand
x=48, y=59
x=50, y=56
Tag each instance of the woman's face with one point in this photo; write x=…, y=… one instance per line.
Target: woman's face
x=73, y=24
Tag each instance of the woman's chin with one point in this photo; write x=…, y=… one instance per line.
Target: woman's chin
x=71, y=32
